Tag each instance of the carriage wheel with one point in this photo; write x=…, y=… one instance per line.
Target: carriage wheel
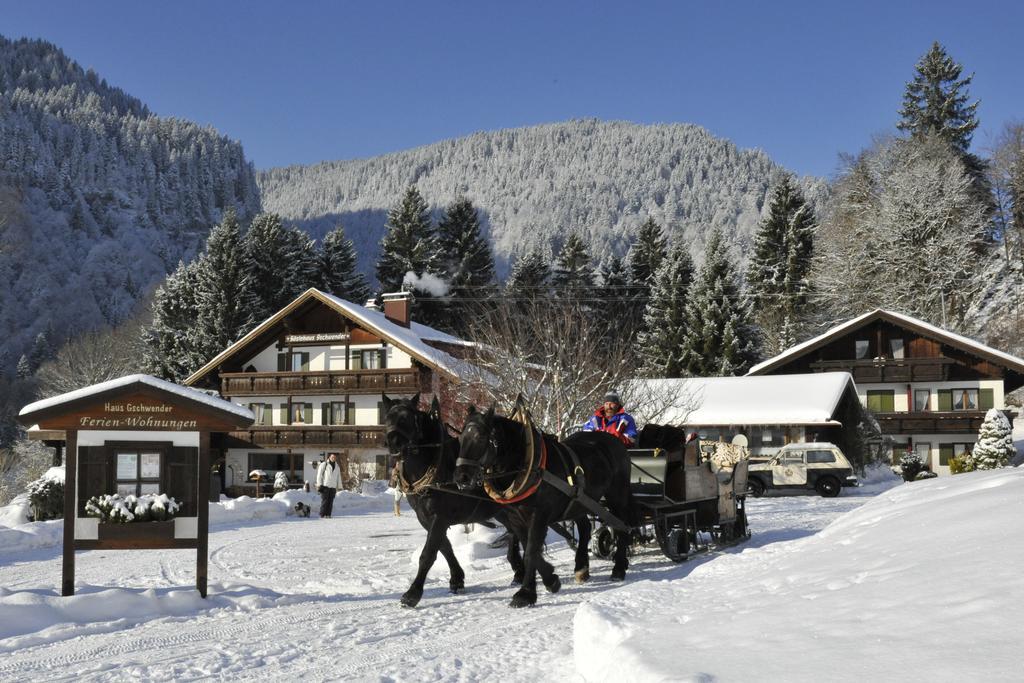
x=602, y=545
x=673, y=541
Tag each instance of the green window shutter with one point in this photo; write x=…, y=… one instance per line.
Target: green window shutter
x=95, y=474
x=325, y=414
x=268, y=413
x=986, y=399
x=350, y=414
x=181, y=468
x=284, y=414
x=282, y=362
x=874, y=402
x=307, y=413
x=383, y=360
x=305, y=361
x=888, y=401
x=945, y=399
x=945, y=454
x=357, y=360
x=380, y=412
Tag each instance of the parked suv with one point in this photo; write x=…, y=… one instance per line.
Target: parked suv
x=821, y=467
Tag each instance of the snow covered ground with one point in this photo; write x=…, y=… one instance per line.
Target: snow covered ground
x=913, y=582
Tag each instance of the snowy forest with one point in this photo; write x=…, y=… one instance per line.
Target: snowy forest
x=695, y=257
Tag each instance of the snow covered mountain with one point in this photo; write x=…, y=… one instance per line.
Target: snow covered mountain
x=537, y=184
x=99, y=198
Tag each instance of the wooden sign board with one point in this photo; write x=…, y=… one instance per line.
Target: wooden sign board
x=133, y=436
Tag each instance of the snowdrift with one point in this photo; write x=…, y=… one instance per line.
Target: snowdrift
x=921, y=583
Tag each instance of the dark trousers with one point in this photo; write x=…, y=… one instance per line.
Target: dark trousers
x=327, y=501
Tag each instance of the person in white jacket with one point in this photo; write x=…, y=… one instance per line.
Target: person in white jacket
x=328, y=481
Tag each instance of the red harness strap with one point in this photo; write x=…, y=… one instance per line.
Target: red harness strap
x=530, y=490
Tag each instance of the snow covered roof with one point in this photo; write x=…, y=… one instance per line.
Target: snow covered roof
x=413, y=339
x=919, y=326
x=188, y=393
x=809, y=399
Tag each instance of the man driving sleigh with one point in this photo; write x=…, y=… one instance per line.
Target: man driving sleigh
x=611, y=417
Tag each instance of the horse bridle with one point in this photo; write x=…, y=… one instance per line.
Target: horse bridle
x=486, y=461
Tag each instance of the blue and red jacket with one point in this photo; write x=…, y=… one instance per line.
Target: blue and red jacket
x=619, y=425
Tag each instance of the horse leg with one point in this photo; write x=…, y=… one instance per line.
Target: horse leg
x=583, y=530
x=620, y=508
x=527, y=595
x=515, y=559
x=437, y=532
x=457, y=582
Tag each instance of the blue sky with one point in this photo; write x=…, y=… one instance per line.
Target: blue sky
x=302, y=82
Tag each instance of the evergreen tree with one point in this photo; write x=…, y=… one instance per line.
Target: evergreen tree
x=573, y=275
x=409, y=243
x=169, y=340
x=660, y=343
x=338, y=273
x=24, y=370
x=223, y=291
x=266, y=260
x=645, y=259
x=778, y=275
x=720, y=336
x=995, y=442
x=468, y=264
x=410, y=246
x=301, y=265
x=935, y=102
x=613, y=311
x=42, y=348
x=530, y=277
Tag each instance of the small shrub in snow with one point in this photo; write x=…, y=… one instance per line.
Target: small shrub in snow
x=46, y=496
x=117, y=509
x=911, y=465
x=995, y=442
x=925, y=474
x=959, y=464
x=280, y=482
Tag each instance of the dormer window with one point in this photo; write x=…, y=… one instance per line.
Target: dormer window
x=861, y=348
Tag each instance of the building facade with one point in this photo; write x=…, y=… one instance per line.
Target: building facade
x=313, y=375
x=928, y=388
x=769, y=411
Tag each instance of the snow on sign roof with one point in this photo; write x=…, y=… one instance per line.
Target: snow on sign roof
x=411, y=339
x=913, y=323
x=156, y=383
x=771, y=400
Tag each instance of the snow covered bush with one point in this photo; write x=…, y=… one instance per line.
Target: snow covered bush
x=117, y=509
x=924, y=474
x=995, y=442
x=46, y=496
x=280, y=482
x=22, y=463
x=959, y=464
x=911, y=465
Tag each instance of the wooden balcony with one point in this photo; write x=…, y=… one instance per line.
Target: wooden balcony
x=889, y=369
x=945, y=422
x=318, y=436
x=234, y=384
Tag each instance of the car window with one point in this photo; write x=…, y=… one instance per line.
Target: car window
x=820, y=456
x=792, y=458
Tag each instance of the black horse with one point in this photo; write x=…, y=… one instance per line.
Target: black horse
x=428, y=455
x=494, y=450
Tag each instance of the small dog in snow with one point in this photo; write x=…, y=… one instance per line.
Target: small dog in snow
x=301, y=509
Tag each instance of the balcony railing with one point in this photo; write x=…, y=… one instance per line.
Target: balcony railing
x=889, y=369
x=945, y=422
x=319, y=382
x=320, y=436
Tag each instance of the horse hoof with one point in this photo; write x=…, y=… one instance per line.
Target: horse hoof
x=523, y=599
x=411, y=599
x=618, y=576
x=456, y=589
x=554, y=585
x=582, y=576
x=516, y=581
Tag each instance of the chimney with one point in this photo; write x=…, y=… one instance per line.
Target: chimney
x=397, y=307
x=371, y=304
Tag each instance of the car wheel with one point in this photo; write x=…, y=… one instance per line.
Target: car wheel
x=756, y=487
x=828, y=487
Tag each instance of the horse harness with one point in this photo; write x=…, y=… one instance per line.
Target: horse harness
x=429, y=477
x=536, y=472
